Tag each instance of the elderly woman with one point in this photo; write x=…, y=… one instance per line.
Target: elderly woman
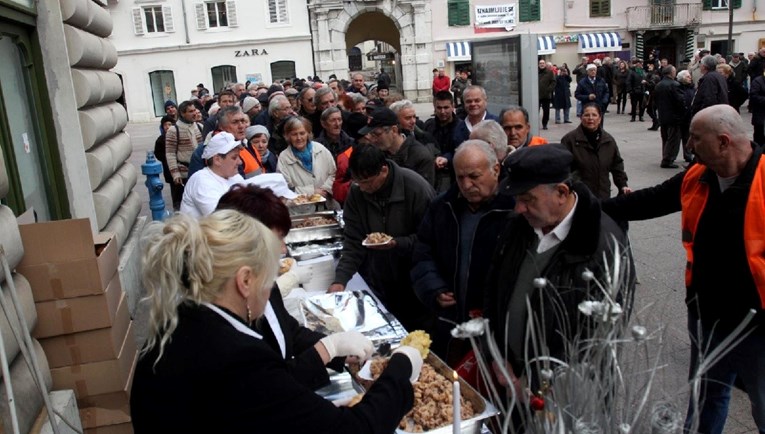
x=595, y=155
x=257, y=147
x=204, y=369
x=307, y=165
x=737, y=95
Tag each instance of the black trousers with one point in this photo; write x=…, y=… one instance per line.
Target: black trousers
x=544, y=104
x=670, y=143
x=638, y=103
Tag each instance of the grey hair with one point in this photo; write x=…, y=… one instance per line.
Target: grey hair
x=492, y=133
x=709, y=62
x=513, y=109
x=320, y=92
x=473, y=87
x=399, y=105
x=273, y=106
x=481, y=146
x=328, y=112
x=224, y=114
x=357, y=98
x=683, y=74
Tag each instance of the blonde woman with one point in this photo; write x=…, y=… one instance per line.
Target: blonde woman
x=203, y=368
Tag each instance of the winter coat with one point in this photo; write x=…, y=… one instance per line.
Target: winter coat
x=589, y=246
x=303, y=181
x=635, y=82
x=417, y=157
x=546, y=83
x=593, y=165
x=737, y=95
x=599, y=88
x=757, y=100
x=712, y=90
x=181, y=141
x=562, y=96
x=668, y=99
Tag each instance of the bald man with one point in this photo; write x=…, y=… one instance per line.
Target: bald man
x=723, y=216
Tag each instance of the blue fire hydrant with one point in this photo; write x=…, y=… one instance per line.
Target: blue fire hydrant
x=153, y=169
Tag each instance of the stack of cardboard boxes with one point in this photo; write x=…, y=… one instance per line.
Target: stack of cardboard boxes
x=83, y=320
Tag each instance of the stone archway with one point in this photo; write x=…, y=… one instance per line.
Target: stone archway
x=333, y=27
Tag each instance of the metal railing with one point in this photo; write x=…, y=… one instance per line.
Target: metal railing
x=663, y=16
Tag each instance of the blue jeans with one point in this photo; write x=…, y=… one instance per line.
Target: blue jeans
x=746, y=361
x=578, y=108
x=565, y=114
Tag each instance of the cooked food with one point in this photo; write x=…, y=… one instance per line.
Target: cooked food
x=420, y=340
x=315, y=221
x=303, y=199
x=355, y=400
x=378, y=238
x=285, y=264
x=432, y=400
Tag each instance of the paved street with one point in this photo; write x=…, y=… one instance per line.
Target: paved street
x=658, y=252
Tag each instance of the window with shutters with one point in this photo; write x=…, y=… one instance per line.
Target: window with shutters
x=216, y=15
x=277, y=12
x=529, y=10
x=719, y=4
x=600, y=8
x=459, y=12
x=153, y=19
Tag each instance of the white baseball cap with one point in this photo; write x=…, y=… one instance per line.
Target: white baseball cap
x=221, y=144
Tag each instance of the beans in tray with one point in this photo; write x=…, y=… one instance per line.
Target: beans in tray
x=315, y=221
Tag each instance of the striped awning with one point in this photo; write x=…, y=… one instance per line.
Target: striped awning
x=458, y=51
x=545, y=45
x=599, y=42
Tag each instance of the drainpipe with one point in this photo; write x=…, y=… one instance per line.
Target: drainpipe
x=185, y=21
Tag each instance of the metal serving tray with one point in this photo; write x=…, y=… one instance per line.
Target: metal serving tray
x=314, y=233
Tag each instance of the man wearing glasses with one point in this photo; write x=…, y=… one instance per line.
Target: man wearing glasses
x=393, y=200
x=384, y=132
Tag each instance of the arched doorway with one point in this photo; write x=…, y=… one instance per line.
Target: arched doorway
x=356, y=22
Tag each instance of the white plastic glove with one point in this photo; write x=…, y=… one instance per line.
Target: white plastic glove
x=303, y=272
x=348, y=344
x=414, y=357
x=287, y=282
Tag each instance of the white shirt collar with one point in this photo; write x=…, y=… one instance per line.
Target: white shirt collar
x=469, y=125
x=233, y=321
x=273, y=321
x=559, y=233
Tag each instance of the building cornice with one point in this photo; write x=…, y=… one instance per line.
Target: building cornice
x=221, y=44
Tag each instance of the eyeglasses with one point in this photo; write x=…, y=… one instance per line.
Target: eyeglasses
x=379, y=132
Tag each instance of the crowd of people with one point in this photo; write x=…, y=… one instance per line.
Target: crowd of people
x=476, y=207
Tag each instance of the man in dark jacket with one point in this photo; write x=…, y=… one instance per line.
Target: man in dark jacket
x=635, y=88
x=757, y=64
x=593, y=89
x=757, y=106
x=668, y=98
x=722, y=210
x=546, y=88
x=455, y=241
x=393, y=200
x=475, y=106
x=712, y=88
x=558, y=233
x=441, y=127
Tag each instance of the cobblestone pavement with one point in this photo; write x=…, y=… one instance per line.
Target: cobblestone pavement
x=656, y=243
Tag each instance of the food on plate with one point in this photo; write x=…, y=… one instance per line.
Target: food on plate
x=433, y=404
x=303, y=199
x=285, y=264
x=355, y=400
x=377, y=238
x=420, y=340
x=315, y=221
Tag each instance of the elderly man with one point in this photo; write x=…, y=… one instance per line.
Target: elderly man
x=491, y=133
x=474, y=97
x=557, y=233
x=231, y=120
x=669, y=100
x=455, y=242
x=279, y=109
x=546, y=88
x=515, y=121
x=407, y=120
x=332, y=135
x=393, y=200
x=712, y=88
x=722, y=216
x=593, y=89
x=221, y=171
x=384, y=132
x=251, y=107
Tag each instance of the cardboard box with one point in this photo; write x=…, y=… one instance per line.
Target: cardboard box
x=98, y=378
x=89, y=346
x=79, y=314
x=110, y=412
x=62, y=259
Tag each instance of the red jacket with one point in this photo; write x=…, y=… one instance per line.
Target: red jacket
x=441, y=83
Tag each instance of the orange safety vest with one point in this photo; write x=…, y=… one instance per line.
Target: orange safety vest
x=693, y=197
x=536, y=141
x=252, y=162
x=348, y=152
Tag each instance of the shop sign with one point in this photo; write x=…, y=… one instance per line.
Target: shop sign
x=251, y=52
x=565, y=38
x=496, y=16
x=380, y=56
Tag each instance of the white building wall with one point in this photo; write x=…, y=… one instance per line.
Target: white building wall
x=190, y=52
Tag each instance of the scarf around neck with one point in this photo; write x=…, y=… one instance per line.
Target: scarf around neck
x=304, y=156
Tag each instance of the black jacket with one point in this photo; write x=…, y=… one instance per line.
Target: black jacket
x=635, y=82
x=668, y=99
x=591, y=237
x=214, y=378
x=757, y=100
x=722, y=289
x=437, y=251
x=712, y=90
x=593, y=164
x=418, y=157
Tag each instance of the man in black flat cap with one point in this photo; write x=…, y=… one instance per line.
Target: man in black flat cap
x=557, y=233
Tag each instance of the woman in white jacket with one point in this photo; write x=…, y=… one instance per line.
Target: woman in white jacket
x=307, y=165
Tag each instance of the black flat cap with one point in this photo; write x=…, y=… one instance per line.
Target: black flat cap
x=536, y=165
